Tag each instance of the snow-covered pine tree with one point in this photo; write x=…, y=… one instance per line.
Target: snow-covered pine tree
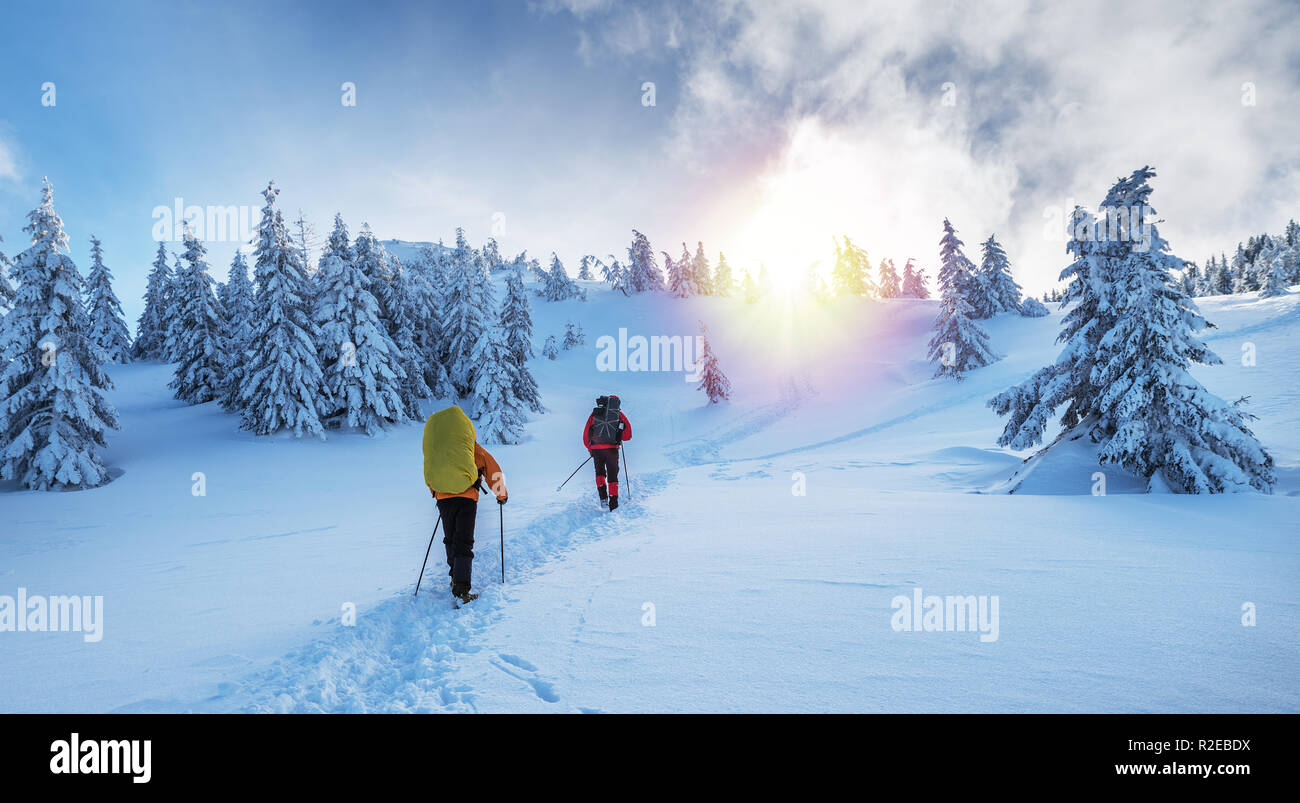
x=516, y=325
x=54, y=416
x=201, y=336
x=914, y=282
x=713, y=382
x=724, y=283
x=235, y=298
x=959, y=344
x=675, y=288
x=890, y=286
x=7, y=291
x=643, y=271
x=682, y=282
x=1191, y=279
x=175, y=295
x=499, y=413
x=307, y=242
x=282, y=383
x=421, y=316
x=1277, y=279
x=107, y=328
x=362, y=370
x=584, y=268
x=1161, y=423
x=1223, y=278
x=1002, y=293
x=151, y=326
x=466, y=309
x=749, y=288
x=492, y=255
x=558, y=286
x=550, y=350
x=1033, y=308
x=849, y=274
x=611, y=271
x=573, y=336
x=701, y=275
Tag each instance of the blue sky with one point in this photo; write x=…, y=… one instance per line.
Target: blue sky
x=775, y=124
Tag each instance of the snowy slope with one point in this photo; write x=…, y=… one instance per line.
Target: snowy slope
x=763, y=600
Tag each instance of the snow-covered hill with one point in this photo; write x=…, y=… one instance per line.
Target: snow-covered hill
x=717, y=587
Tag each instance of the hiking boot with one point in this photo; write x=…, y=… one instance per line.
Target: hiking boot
x=613, y=502
x=604, y=502
x=461, y=592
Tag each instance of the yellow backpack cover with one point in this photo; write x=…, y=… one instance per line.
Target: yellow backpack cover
x=449, y=452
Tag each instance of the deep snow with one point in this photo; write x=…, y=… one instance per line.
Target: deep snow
x=763, y=600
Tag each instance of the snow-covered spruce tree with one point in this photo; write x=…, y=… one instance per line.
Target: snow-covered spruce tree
x=1277, y=279
x=201, y=337
x=849, y=274
x=959, y=344
x=1033, y=308
x=1089, y=297
x=890, y=286
x=611, y=271
x=643, y=272
x=724, y=283
x=7, y=291
x=700, y=272
x=151, y=326
x=54, y=416
x=675, y=288
x=492, y=255
x=1163, y=425
x=1002, y=293
x=558, y=286
x=236, y=301
x=749, y=288
x=550, y=350
x=499, y=413
x=171, y=337
x=421, y=316
x=107, y=328
x=681, y=280
x=466, y=314
x=584, y=268
x=713, y=382
x=516, y=325
x=914, y=282
x=362, y=371
x=573, y=336
x=282, y=383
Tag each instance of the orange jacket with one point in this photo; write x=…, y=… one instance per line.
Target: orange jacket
x=489, y=472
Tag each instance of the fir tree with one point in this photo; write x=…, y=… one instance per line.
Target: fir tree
x=1001, y=292
x=584, y=268
x=643, y=272
x=516, y=325
x=107, y=328
x=712, y=381
x=282, y=382
x=573, y=336
x=849, y=274
x=175, y=294
x=558, y=286
x=53, y=412
x=959, y=344
x=749, y=288
x=700, y=273
x=914, y=282
x=549, y=349
x=500, y=414
x=420, y=323
x=1033, y=308
x=492, y=255
x=151, y=327
x=201, y=338
x=611, y=271
x=890, y=286
x=724, y=284
x=359, y=361
x=236, y=301
x=468, y=304
x=1277, y=279
x=7, y=291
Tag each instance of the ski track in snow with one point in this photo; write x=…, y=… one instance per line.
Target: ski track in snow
x=402, y=655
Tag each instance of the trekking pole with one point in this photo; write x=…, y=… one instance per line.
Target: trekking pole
x=501, y=509
x=420, y=579
x=626, y=471
x=575, y=471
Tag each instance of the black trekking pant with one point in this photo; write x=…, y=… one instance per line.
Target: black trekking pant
x=458, y=514
x=606, y=463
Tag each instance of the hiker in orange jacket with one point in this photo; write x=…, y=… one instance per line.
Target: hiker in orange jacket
x=458, y=513
x=602, y=436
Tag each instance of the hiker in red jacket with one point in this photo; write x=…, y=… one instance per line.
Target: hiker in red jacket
x=606, y=428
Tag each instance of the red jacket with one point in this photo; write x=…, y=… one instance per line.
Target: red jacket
x=624, y=435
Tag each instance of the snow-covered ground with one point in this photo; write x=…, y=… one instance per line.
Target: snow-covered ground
x=716, y=587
